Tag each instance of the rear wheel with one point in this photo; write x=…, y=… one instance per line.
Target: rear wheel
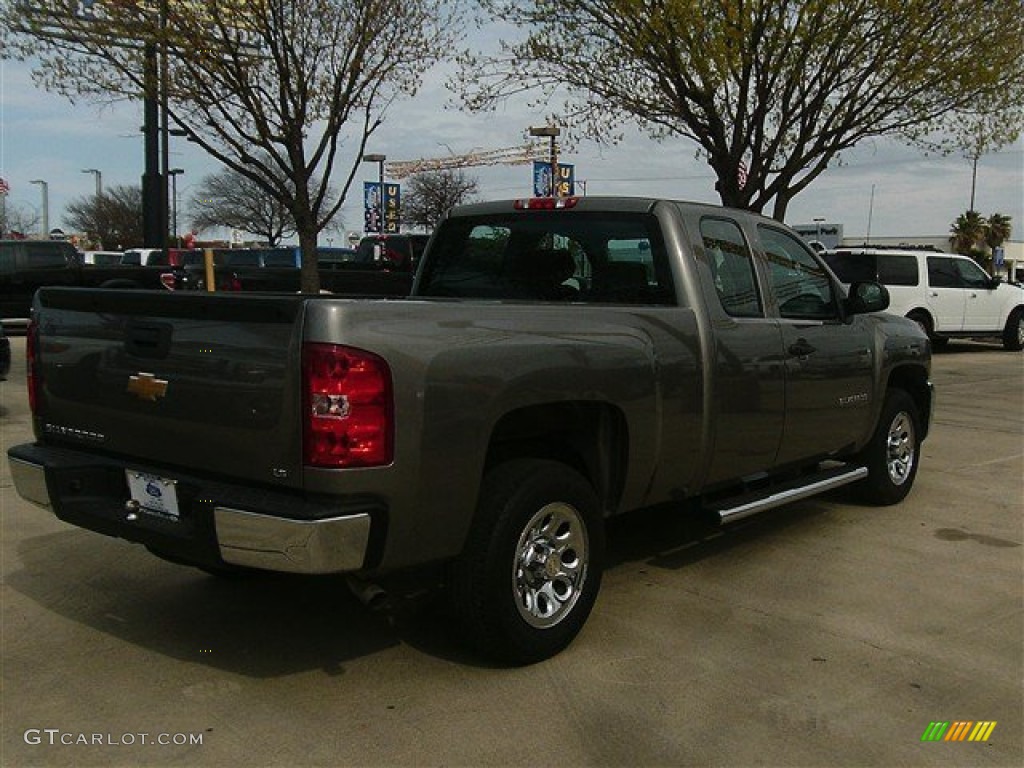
x=531, y=568
x=892, y=455
x=1013, y=334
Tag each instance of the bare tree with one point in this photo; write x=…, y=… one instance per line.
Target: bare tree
x=18, y=220
x=429, y=195
x=279, y=91
x=771, y=91
x=113, y=219
x=229, y=199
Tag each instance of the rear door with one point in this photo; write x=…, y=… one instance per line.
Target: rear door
x=829, y=364
x=947, y=297
x=749, y=385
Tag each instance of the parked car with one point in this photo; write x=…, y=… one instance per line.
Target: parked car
x=947, y=295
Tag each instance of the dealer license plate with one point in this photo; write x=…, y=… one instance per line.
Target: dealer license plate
x=154, y=494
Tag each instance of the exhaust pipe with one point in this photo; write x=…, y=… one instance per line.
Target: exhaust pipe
x=373, y=596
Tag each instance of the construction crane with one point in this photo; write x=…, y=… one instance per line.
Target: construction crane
x=522, y=155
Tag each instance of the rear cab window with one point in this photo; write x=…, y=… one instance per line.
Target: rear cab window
x=732, y=267
x=550, y=256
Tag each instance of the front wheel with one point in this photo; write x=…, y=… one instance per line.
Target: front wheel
x=892, y=455
x=530, y=572
x=1013, y=333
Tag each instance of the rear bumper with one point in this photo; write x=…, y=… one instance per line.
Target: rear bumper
x=218, y=525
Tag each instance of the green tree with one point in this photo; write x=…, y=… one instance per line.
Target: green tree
x=780, y=87
x=281, y=92
x=997, y=230
x=968, y=233
x=429, y=195
x=111, y=220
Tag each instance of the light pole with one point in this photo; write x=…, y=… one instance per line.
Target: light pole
x=379, y=159
x=46, y=207
x=174, y=173
x=552, y=132
x=99, y=180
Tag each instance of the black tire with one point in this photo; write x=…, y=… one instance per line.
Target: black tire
x=924, y=322
x=1013, y=333
x=893, y=454
x=530, y=572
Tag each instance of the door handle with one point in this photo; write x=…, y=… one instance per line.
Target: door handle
x=800, y=348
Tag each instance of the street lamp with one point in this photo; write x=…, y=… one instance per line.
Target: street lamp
x=552, y=132
x=46, y=206
x=174, y=173
x=379, y=159
x=99, y=180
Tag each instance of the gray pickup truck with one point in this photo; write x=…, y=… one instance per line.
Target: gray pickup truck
x=559, y=362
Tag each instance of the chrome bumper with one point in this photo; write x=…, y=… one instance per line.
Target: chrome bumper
x=328, y=545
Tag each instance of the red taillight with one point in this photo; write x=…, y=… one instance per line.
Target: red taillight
x=31, y=358
x=348, y=407
x=544, y=203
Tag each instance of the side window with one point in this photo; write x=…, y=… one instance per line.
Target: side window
x=971, y=274
x=800, y=284
x=942, y=273
x=732, y=266
x=897, y=270
x=44, y=256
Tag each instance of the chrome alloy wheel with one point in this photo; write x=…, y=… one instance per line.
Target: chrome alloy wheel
x=550, y=565
x=900, y=448
x=1020, y=330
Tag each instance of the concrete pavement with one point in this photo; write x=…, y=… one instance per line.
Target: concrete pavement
x=822, y=634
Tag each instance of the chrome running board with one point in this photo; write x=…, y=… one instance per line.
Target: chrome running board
x=752, y=504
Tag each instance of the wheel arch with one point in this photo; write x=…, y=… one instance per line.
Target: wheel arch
x=913, y=379
x=591, y=437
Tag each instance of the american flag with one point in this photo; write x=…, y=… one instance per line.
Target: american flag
x=4, y=186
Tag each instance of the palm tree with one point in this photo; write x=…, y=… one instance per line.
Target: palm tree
x=967, y=232
x=997, y=230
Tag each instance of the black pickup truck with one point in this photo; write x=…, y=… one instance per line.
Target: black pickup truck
x=380, y=266
x=26, y=265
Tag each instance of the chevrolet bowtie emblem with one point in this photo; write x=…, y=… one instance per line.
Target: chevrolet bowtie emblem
x=146, y=386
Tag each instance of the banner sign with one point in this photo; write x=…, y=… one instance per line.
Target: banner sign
x=542, y=179
x=392, y=208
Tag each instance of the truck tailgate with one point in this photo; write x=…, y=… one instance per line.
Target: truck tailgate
x=208, y=382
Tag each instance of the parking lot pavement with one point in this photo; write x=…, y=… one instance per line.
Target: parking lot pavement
x=823, y=634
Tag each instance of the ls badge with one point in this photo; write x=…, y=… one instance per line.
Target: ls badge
x=146, y=386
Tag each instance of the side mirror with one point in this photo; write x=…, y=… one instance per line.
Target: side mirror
x=865, y=297
x=995, y=282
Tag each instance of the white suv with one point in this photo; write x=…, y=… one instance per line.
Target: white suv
x=946, y=294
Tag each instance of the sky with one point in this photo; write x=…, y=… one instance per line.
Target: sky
x=881, y=188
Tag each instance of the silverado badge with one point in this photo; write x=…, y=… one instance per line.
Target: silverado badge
x=146, y=386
